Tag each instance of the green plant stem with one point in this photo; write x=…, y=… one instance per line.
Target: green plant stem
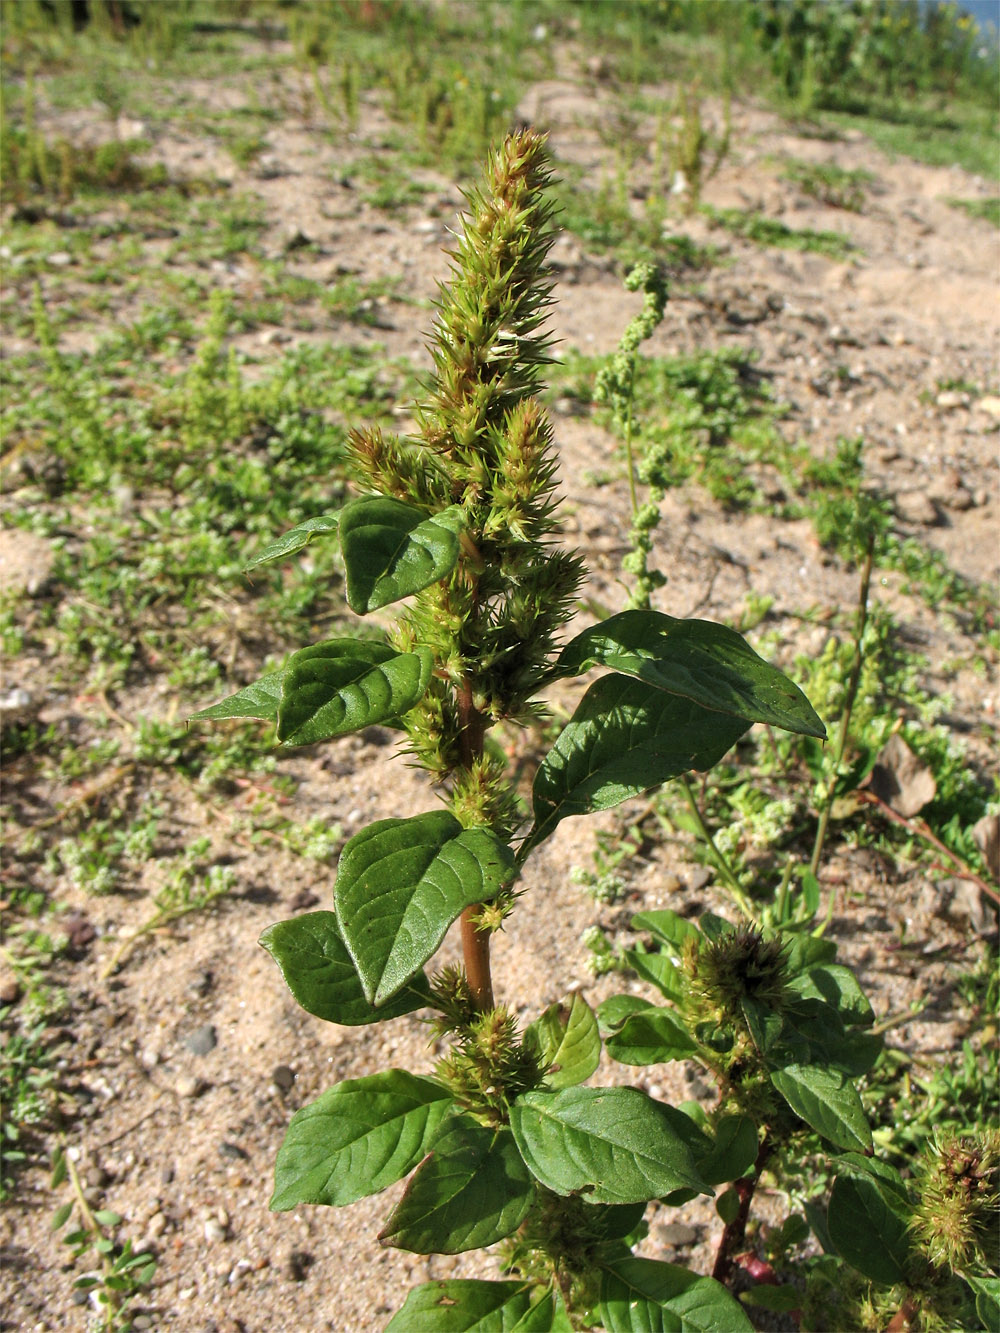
x=734, y=1232
x=845, y=720
x=630, y=456
x=475, y=941
x=92, y=1225
x=705, y=833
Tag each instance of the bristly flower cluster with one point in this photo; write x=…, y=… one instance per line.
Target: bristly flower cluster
x=485, y=444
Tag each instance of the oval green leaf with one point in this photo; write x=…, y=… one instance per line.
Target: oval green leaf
x=321, y=975
x=648, y=1296
x=614, y=1145
x=357, y=1138
x=699, y=660
x=624, y=738
x=392, y=550
x=469, y=1305
x=294, y=540
x=471, y=1190
x=654, y=1036
x=828, y=1101
x=402, y=882
x=568, y=1040
x=353, y=684
x=868, y=1224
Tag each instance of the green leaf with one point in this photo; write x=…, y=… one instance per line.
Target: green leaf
x=987, y=1293
x=106, y=1218
x=294, y=540
x=568, y=1040
x=653, y=1036
x=260, y=699
x=470, y=1190
x=696, y=659
x=668, y=928
x=467, y=1305
x=61, y=1216
x=838, y=987
x=657, y=969
x=615, y=1145
x=767, y=1027
x=612, y=1012
x=354, y=684
x=357, y=1138
x=624, y=738
x=828, y=1101
x=727, y=1205
x=402, y=882
x=321, y=975
x=647, y=1296
x=806, y=952
x=867, y=1219
x=392, y=549
x=733, y=1151
x=782, y=1300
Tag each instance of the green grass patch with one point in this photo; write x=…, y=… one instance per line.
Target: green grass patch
x=761, y=230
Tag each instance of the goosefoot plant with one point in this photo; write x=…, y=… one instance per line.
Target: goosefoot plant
x=503, y=1141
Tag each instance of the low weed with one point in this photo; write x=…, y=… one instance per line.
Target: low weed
x=762, y=230
x=987, y=209
x=835, y=186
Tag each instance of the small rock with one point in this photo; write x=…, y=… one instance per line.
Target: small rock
x=60, y=258
x=25, y=561
x=142, y=1321
x=187, y=1085
x=697, y=877
x=239, y=1271
x=990, y=404
x=677, y=1234
x=918, y=508
x=949, y=399
x=149, y=1057
x=10, y=990
x=201, y=984
x=156, y=1226
x=283, y=1077
x=214, y=1231
x=202, y=1040
x=299, y=1264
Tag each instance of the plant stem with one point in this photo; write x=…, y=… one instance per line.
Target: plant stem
x=904, y=1317
x=705, y=833
x=475, y=942
x=845, y=720
x=734, y=1232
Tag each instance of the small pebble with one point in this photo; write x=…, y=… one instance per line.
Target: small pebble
x=157, y=1225
x=141, y=1321
x=187, y=1085
x=677, y=1234
x=283, y=1077
x=202, y=1040
x=214, y=1230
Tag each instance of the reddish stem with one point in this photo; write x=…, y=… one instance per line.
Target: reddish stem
x=904, y=1317
x=734, y=1232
